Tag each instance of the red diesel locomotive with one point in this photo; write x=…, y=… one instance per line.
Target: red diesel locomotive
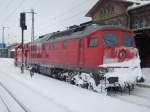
x=79, y=49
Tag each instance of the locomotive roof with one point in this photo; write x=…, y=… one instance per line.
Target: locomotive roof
x=83, y=31
x=42, y=39
x=77, y=32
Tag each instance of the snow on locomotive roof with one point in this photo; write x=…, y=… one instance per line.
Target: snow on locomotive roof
x=42, y=38
x=76, y=32
x=83, y=31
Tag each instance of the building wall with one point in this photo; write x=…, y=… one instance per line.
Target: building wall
x=3, y=50
x=140, y=17
x=2, y=45
x=113, y=13
x=140, y=23
x=3, y=53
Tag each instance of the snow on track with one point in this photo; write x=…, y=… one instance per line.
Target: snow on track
x=43, y=94
x=146, y=72
x=135, y=99
x=28, y=93
x=3, y=106
x=143, y=94
x=10, y=102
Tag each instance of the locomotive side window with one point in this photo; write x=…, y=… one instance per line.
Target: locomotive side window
x=110, y=39
x=65, y=44
x=128, y=40
x=53, y=45
x=93, y=42
x=81, y=44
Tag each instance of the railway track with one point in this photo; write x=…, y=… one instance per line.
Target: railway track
x=49, y=99
x=7, y=98
x=144, y=86
x=139, y=96
x=6, y=106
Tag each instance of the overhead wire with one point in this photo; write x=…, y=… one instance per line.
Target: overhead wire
x=59, y=17
x=11, y=14
x=1, y=3
x=71, y=18
x=29, y=7
x=67, y=11
x=8, y=3
x=65, y=19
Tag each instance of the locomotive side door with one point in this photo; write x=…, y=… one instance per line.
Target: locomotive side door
x=81, y=52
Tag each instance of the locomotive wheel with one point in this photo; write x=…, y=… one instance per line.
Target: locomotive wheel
x=84, y=80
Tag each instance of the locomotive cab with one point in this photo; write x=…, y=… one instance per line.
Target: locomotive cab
x=121, y=58
x=119, y=46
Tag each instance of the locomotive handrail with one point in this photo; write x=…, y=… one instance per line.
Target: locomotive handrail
x=114, y=67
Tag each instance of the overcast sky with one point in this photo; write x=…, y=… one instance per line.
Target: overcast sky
x=52, y=15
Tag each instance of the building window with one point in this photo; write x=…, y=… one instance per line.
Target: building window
x=119, y=23
x=142, y=23
x=101, y=13
x=136, y=25
x=112, y=10
x=93, y=42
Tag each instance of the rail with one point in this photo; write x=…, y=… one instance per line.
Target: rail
x=25, y=109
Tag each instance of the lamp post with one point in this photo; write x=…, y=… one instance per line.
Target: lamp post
x=32, y=31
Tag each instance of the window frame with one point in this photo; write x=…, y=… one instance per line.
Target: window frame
x=129, y=37
x=65, y=45
x=53, y=45
x=116, y=36
x=81, y=43
x=93, y=43
x=142, y=23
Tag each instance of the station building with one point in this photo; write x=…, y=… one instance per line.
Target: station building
x=132, y=14
x=3, y=50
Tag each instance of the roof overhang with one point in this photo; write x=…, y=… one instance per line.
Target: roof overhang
x=142, y=31
x=100, y=2
x=138, y=6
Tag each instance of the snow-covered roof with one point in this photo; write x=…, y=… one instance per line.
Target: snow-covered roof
x=138, y=3
x=99, y=3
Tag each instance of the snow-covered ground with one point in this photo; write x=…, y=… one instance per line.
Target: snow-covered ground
x=43, y=94
x=128, y=71
x=146, y=72
x=3, y=108
x=139, y=96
